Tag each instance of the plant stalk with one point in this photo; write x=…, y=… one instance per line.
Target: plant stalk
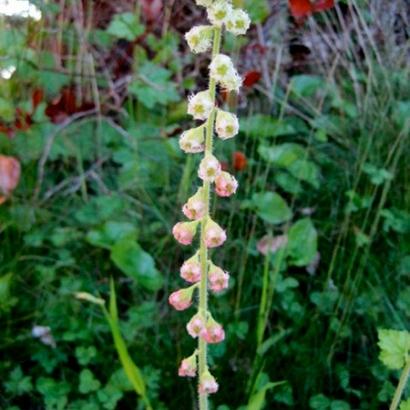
x=401, y=386
x=203, y=290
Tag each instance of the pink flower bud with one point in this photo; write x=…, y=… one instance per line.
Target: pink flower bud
x=209, y=168
x=181, y=299
x=225, y=184
x=195, y=325
x=208, y=384
x=195, y=208
x=213, y=332
x=214, y=235
x=184, y=232
x=191, y=269
x=192, y=141
x=218, y=279
x=188, y=366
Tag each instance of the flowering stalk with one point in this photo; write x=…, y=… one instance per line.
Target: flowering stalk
x=199, y=269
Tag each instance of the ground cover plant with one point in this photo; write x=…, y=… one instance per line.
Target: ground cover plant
x=93, y=103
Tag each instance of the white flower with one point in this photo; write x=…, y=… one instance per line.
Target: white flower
x=192, y=141
x=223, y=71
x=200, y=105
x=219, y=12
x=199, y=39
x=226, y=125
x=204, y=3
x=238, y=22
x=209, y=168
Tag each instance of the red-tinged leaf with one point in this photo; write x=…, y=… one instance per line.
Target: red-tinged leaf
x=251, y=78
x=5, y=129
x=224, y=166
x=300, y=8
x=37, y=97
x=9, y=174
x=23, y=120
x=322, y=5
x=239, y=161
x=151, y=9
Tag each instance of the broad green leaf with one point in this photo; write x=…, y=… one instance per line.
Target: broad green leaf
x=287, y=182
x=100, y=209
x=302, y=242
x=263, y=126
x=307, y=85
x=110, y=233
x=88, y=382
x=283, y=155
x=84, y=354
x=377, y=175
x=395, y=347
x=257, y=401
x=319, y=402
x=136, y=263
x=153, y=86
x=339, y=405
x=258, y=10
x=305, y=170
x=6, y=110
x=126, y=25
x=271, y=207
x=18, y=384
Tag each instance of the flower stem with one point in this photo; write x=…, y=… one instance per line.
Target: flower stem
x=203, y=291
x=401, y=386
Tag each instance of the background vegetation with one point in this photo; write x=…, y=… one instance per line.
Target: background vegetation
x=319, y=244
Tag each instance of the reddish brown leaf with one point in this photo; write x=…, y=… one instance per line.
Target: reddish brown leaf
x=9, y=174
x=23, y=120
x=321, y=5
x=239, y=161
x=251, y=78
x=300, y=8
x=37, y=97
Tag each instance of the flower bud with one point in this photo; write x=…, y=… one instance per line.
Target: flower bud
x=238, y=22
x=193, y=140
x=219, y=12
x=184, y=232
x=196, y=207
x=226, y=125
x=200, y=105
x=188, y=366
x=223, y=71
x=191, y=269
x=214, y=235
x=225, y=184
x=181, y=299
x=199, y=38
x=207, y=384
x=195, y=325
x=213, y=332
x=209, y=168
x=218, y=279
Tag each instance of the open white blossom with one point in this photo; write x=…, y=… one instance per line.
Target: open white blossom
x=199, y=38
x=193, y=140
x=219, y=12
x=223, y=71
x=238, y=22
x=200, y=105
x=226, y=125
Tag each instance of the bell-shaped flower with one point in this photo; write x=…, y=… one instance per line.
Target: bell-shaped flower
x=213, y=332
x=184, y=232
x=219, y=12
x=193, y=140
x=238, y=22
x=199, y=38
x=218, y=279
x=223, y=71
x=182, y=299
x=200, y=105
x=188, y=366
x=191, y=269
x=214, y=235
x=207, y=384
x=196, y=207
x=226, y=124
x=209, y=168
x=225, y=184
x=196, y=325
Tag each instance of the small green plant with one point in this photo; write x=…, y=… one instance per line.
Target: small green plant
x=395, y=354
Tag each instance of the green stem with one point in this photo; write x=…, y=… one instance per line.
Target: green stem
x=203, y=290
x=401, y=386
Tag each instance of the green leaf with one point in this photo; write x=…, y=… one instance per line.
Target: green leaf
x=153, y=86
x=263, y=126
x=319, y=402
x=18, y=384
x=54, y=393
x=395, y=347
x=109, y=396
x=84, y=355
x=302, y=242
x=377, y=175
x=110, y=233
x=126, y=25
x=306, y=85
x=100, y=209
x=6, y=300
x=258, y=10
x=257, y=401
x=6, y=110
x=271, y=207
x=136, y=263
x=339, y=405
x=287, y=182
x=283, y=155
x=307, y=171
x=88, y=382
